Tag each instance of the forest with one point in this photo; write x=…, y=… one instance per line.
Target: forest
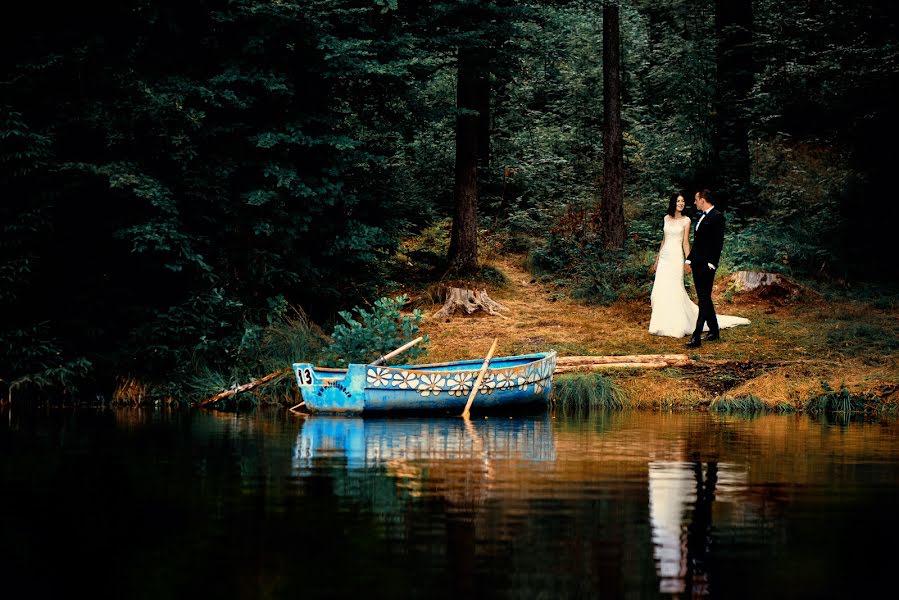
x=197, y=191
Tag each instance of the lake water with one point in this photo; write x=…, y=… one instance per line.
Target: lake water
x=136, y=503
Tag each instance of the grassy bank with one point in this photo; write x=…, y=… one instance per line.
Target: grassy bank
x=805, y=350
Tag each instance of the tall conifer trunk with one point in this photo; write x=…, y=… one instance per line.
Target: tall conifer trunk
x=483, y=105
x=463, y=249
x=612, y=207
x=733, y=57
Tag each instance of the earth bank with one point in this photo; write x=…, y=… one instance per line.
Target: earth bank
x=799, y=350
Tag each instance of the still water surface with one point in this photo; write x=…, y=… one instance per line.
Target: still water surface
x=145, y=504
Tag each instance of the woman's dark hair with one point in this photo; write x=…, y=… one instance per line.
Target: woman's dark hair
x=672, y=203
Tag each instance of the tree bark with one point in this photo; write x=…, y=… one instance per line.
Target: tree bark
x=733, y=58
x=612, y=207
x=484, y=112
x=463, y=248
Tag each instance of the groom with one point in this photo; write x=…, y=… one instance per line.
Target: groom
x=703, y=260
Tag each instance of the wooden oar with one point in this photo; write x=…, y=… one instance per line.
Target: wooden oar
x=403, y=348
x=477, y=383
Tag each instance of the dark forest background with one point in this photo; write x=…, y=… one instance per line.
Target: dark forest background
x=178, y=178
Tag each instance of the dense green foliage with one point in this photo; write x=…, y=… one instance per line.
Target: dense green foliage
x=374, y=333
x=363, y=336
x=179, y=177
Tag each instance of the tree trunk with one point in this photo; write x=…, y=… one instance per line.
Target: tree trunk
x=612, y=207
x=463, y=248
x=733, y=29
x=483, y=107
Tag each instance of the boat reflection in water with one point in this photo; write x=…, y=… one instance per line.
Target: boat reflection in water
x=374, y=442
x=462, y=462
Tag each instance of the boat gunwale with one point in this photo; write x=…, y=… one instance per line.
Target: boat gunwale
x=537, y=357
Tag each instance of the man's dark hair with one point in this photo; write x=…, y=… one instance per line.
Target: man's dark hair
x=706, y=195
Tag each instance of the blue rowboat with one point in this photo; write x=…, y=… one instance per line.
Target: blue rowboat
x=509, y=382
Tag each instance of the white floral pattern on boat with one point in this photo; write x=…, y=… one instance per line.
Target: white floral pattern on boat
x=431, y=384
x=521, y=381
x=405, y=380
x=378, y=377
x=459, y=383
x=504, y=379
x=488, y=384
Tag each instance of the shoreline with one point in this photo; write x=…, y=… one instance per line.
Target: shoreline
x=800, y=350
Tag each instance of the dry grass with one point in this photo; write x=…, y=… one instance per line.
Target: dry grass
x=803, y=339
x=795, y=383
x=662, y=390
x=131, y=392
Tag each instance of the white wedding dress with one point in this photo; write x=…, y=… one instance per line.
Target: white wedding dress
x=673, y=313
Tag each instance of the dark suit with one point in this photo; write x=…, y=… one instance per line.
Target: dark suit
x=707, y=243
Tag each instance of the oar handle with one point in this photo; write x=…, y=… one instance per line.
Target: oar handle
x=403, y=348
x=477, y=384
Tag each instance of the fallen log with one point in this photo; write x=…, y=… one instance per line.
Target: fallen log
x=669, y=360
x=245, y=387
x=617, y=365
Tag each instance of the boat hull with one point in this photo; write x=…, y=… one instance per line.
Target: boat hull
x=509, y=382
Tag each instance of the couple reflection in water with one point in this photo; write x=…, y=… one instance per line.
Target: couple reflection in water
x=681, y=498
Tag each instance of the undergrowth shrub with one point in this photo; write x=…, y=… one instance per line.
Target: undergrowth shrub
x=590, y=271
x=373, y=333
x=289, y=337
x=423, y=256
x=803, y=187
x=33, y=367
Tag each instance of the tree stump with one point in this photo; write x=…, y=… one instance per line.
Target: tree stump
x=746, y=281
x=469, y=301
x=766, y=286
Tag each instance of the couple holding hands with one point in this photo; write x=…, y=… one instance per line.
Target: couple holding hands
x=673, y=313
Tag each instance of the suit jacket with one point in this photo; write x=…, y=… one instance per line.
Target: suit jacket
x=708, y=240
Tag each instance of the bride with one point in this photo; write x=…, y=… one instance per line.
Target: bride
x=673, y=313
